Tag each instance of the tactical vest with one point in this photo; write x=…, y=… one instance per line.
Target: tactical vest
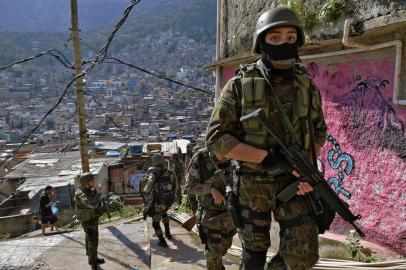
x=254, y=92
x=86, y=214
x=165, y=187
x=206, y=171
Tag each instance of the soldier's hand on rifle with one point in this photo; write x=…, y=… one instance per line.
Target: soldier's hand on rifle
x=217, y=196
x=303, y=187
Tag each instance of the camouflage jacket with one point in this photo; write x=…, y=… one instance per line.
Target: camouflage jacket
x=178, y=169
x=87, y=203
x=225, y=130
x=162, y=191
x=200, y=178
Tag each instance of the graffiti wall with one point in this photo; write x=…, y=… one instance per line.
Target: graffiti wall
x=364, y=158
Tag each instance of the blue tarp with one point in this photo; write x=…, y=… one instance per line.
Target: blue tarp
x=135, y=180
x=112, y=154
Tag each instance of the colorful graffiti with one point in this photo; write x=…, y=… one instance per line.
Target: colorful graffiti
x=366, y=127
x=343, y=163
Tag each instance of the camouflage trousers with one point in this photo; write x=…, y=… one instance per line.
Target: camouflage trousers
x=298, y=249
x=91, y=229
x=192, y=202
x=219, y=231
x=160, y=213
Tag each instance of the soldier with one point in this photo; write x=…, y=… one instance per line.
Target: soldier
x=161, y=188
x=179, y=170
x=216, y=227
x=88, y=210
x=279, y=85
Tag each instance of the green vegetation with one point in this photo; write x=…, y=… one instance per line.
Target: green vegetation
x=4, y=236
x=184, y=206
x=307, y=12
x=195, y=19
x=356, y=250
x=311, y=14
x=331, y=11
x=125, y=213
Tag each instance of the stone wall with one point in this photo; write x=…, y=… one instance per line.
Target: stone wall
x=20, y=224
x=240, y=16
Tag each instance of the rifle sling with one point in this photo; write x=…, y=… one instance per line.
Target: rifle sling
x=311, y=131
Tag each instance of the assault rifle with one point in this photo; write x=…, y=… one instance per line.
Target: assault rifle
x=296, y=156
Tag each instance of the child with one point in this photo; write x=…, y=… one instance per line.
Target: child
x=36, y=223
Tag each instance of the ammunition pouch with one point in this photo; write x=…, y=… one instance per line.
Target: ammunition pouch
x=216, y=236
x=320, y=211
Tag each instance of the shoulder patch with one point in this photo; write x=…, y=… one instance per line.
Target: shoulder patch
x=226, y=99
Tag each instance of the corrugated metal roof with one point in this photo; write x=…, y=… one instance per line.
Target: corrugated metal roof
x=169, y=148
x=67, y=163
x=107, y=145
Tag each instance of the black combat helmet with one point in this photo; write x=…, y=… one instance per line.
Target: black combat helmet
x=275, y=17
x=86, y=178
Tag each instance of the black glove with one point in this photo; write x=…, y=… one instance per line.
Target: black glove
x=272, y=159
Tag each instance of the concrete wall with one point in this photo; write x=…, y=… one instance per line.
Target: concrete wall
x=20, y=224
x=364, y=158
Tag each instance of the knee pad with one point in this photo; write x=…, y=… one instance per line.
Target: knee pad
x=254, y=260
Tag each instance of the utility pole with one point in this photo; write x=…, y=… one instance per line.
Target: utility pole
x=79, y=87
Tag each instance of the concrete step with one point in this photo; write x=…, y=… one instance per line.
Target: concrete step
x=185, y=252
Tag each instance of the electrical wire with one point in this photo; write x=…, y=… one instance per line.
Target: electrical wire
x=54, y=52
x=121, y=62
x=33, y=130
x=100, y=57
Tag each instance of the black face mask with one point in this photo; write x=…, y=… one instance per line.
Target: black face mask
x=280, y=52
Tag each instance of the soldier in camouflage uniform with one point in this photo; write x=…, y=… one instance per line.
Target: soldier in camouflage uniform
x=179, y=170
x=161, y=188
x=88, y=211
x=204, y=181
x=262, y=171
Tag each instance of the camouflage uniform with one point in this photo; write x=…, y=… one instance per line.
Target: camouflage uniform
x=179, y=170
x=216, y=222
x=257, y=187
x=88, y=212
x=161, y=187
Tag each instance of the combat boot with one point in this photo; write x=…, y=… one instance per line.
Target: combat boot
x=168, y=234
x=162, y=242
x=100, y=261
x=94, y=266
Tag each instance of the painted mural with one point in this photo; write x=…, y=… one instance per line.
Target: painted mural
x=364, y=157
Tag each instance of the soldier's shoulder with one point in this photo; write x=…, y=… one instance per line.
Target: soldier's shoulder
x=303, y=75
x=301, y=71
